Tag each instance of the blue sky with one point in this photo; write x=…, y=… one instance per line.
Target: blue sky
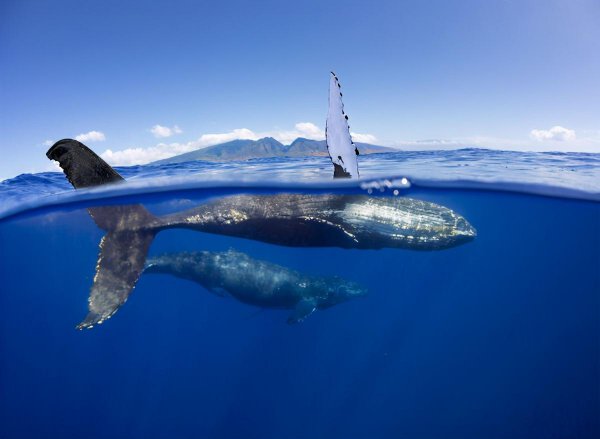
x=415, y=74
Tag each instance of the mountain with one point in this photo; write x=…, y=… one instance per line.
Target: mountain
x=241, y=149
x=245, y=149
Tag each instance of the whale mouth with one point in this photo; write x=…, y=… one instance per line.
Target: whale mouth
x=464, y=229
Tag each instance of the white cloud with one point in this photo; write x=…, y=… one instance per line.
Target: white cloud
x=363, y=138
x=91, y=136
x=309, y=130
x=160, y=131
x=48, y=143
x=214, y=139
x=557, y=133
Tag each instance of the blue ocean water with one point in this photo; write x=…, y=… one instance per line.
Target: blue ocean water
x=496, y=338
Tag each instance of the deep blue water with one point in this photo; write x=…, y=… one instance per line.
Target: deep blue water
x=496, y=338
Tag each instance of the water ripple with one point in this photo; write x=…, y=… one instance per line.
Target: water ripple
x=549, y=173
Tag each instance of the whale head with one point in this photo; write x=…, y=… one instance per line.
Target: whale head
x=341, y=291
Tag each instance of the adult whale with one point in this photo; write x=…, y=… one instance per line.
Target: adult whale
x=256, y=282
x=299, y=220
x=346, y=221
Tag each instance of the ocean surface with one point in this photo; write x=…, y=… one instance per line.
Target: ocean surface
x=495, y=338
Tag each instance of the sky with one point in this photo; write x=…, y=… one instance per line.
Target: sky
x=140, y=81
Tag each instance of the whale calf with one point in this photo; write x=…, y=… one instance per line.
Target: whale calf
x=256, y=282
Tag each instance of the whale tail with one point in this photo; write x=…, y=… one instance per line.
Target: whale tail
x=81, y=165
x=120, y=263
x=123, y=250
x=84, y=168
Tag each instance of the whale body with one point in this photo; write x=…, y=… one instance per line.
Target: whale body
x=256, y=282
x=299, y=220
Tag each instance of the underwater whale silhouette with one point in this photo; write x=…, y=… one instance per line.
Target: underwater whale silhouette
x=300, y=220
x=256, y=282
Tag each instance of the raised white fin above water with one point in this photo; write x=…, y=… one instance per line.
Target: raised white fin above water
x=341, y=149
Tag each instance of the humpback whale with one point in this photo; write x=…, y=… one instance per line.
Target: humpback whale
x=255, y=282
x=299, y=220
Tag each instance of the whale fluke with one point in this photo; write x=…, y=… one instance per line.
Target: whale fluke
x=81, y=165
x=124, y=248
x=84, y=168
x=120, y=264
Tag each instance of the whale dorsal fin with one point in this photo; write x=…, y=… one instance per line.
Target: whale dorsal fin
x=342, y=150
x=303, y=309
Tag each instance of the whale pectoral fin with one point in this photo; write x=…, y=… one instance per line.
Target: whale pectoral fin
x=120, y=264
x=303, y=309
